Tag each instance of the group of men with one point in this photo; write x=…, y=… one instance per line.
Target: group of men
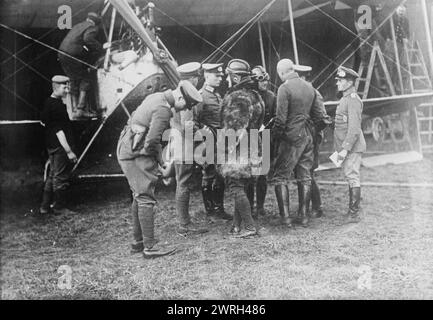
x=296, y=117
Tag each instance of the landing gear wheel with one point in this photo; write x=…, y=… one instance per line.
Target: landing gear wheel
x=377, y=128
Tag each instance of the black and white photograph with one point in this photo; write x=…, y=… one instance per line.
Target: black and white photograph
x=216, y=150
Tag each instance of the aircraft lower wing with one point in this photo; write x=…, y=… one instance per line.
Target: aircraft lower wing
x=375, y=107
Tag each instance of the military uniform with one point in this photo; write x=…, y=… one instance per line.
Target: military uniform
x=139, y=153
x=321, y=120
x=208, y=113
x=181, y=121
x=293, y=129
x=348, y=136
x=139, y=157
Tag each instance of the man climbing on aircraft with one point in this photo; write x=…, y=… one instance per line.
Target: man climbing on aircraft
x=81, y=45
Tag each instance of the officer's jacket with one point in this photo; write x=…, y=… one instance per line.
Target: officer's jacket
x=295, y=100
x=150, y=119
x=348, y=117
x=82, y=34
x=208, y=112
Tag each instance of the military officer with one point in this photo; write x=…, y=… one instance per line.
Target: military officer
x=321, y=120
x=242, y=109
x=181, y=120
x=270, y=101
x=207, y=115
x=293, y=130
x=348, y=137
x=190, y=71
x=139, y=153
x=59, y=141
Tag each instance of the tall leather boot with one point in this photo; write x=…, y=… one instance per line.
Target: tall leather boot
x=59, y=206
x=316, y=201
x=206, y=192
x=350, y=201
x=283, y=200
x=146, y=217
x=237, y=220
x=304, y=193
x=182, y=205
x=249, y=191
x=186, y=226
x=261, y=189
x=354, y=208
x=47, y=197
x=243, y=208
x=218, y=200
x=299, y=185
x=137, y=246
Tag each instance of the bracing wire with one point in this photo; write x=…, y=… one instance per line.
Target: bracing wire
x=320, y=53
x=25, y=65
x=248, y=25
x=188, y=29
x=365, y=41
x=237, y=40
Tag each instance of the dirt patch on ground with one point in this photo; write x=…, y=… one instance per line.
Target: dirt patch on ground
x=388, y=255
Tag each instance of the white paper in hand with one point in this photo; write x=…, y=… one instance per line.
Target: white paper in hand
x=334, y=159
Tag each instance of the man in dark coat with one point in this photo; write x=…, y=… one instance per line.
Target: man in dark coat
x=270, y=101
x=293, y=130
x=81, y=43
x=321, y=120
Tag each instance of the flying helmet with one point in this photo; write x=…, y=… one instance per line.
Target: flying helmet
x=260, y=73
x=238, y=69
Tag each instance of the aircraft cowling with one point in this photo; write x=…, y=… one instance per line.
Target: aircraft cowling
x=128, y=81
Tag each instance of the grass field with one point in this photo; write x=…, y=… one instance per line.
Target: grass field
x=388, y=255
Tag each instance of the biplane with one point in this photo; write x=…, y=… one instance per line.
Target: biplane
x=137, y=63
